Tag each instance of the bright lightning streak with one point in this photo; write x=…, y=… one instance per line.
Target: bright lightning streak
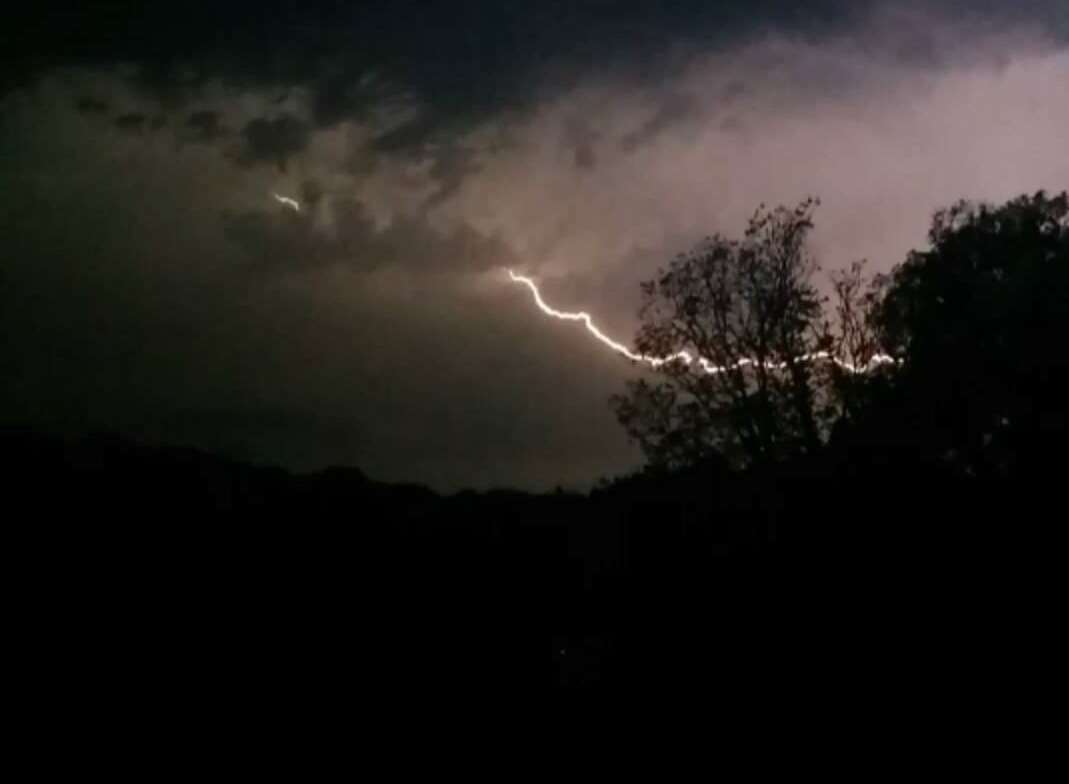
x=296, y=205
x=686, y=357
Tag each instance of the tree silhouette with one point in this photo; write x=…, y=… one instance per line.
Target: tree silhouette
x=982, y=322
x=751, y=300
x=853, y=335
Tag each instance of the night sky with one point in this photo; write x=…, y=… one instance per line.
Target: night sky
x=152, y=285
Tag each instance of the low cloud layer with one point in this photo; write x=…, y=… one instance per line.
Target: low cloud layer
x=155, y=286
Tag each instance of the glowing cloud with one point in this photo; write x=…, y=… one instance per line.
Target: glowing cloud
x=685, y=357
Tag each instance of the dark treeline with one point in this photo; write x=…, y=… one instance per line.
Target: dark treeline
x=899, y=534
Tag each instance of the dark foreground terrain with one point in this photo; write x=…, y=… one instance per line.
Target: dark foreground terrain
x=167, y=605
x=165, y=573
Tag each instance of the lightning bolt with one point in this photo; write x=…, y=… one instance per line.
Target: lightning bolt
x=686, y=357
x=296, y=205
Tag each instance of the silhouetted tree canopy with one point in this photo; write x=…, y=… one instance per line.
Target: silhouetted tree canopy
x=981, y=320
x=979, y=324
x=746, y=310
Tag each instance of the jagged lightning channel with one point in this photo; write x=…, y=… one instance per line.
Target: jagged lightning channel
x=684, y=356
x=296, y=205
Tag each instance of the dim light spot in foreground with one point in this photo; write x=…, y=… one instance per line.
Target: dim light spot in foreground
x=686, y=357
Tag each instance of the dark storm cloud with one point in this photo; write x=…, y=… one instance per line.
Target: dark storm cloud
x=204, y=126
x=93, y=106
x=410, y=135
x=452, y=164
x=585, y=158
x=582, y=139
x=674, y=110
x=732, y=92
x=284, y=241
x=159, y=289
x=139, y=123
x=132, y=122
x=273, y=140
x=344, y=91
x=463, y=60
